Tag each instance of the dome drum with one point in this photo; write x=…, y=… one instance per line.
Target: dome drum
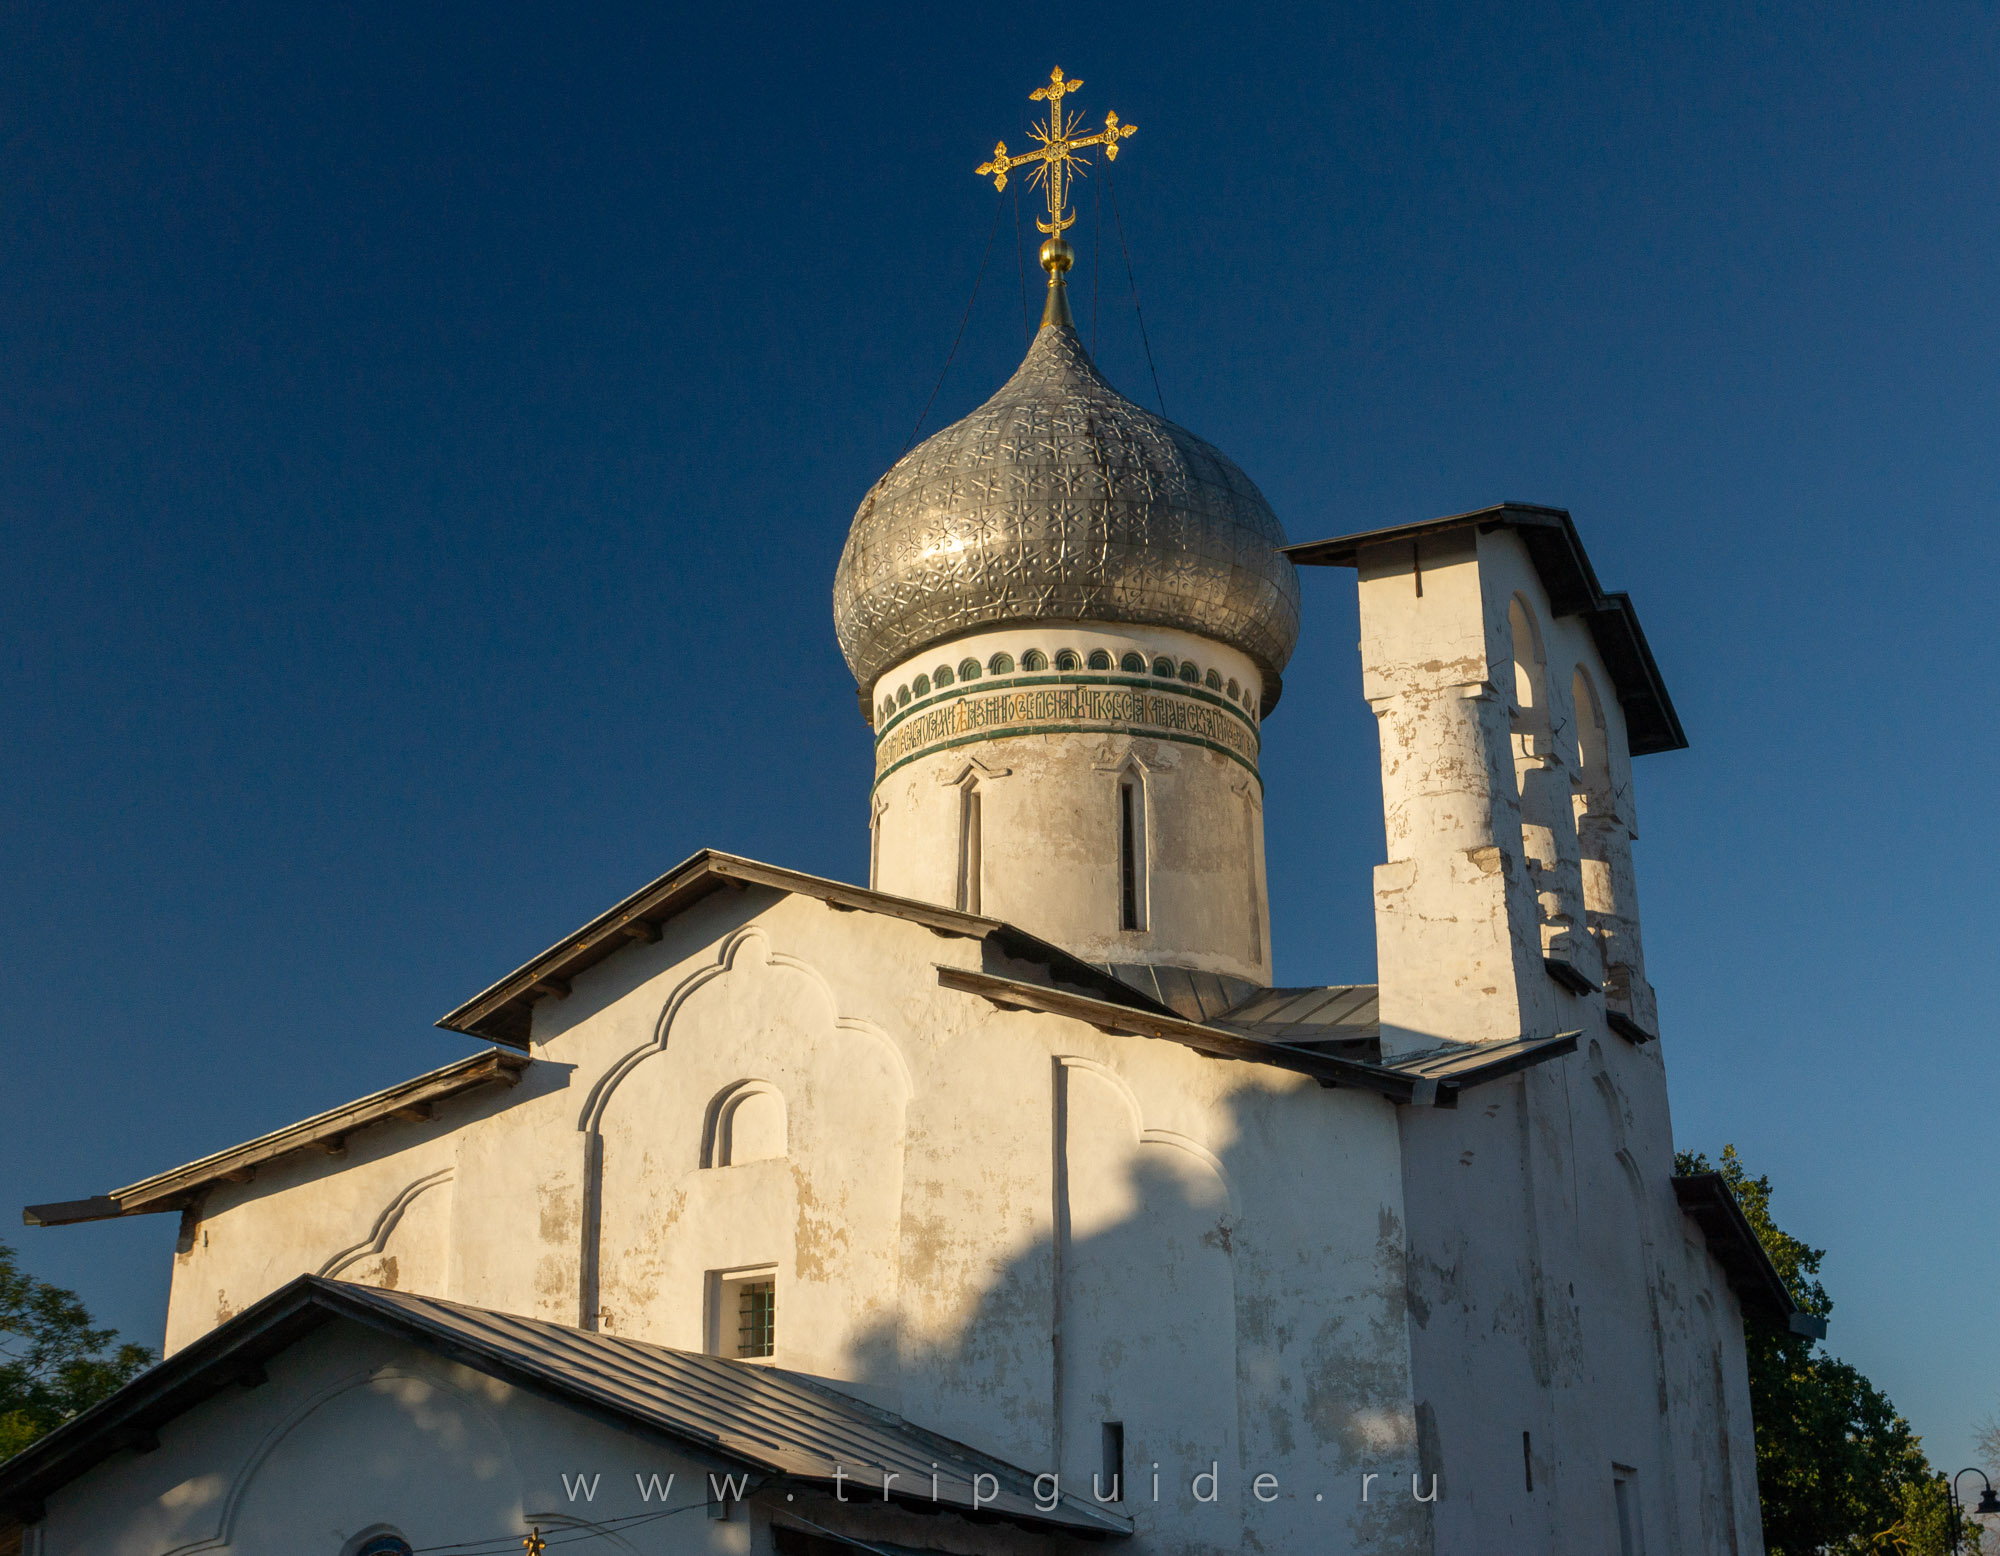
x=1150, y=683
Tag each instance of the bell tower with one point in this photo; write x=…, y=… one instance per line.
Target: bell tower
x=1511, y=693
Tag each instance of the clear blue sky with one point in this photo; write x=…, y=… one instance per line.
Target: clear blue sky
x=428, y=433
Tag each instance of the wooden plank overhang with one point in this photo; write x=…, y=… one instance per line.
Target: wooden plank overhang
x=1432, y=1080
x=1706, y=1199
x=325, y=1132
x=1651, y=724
x=504, y=1013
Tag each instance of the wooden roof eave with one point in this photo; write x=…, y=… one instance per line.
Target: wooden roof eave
x=503, y=1013
x=1651, y=721
x=1707, y=1200
x=328, y=1131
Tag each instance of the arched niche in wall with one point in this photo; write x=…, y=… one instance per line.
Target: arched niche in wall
x=751, y=1068
x=1593, y=742
x=1531, y=681
x=746, y=1123
x=439, y=1467
x=1148, y=1287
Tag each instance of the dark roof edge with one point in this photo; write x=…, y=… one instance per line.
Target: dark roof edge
x=235, y=1353
x=1707, y=1200
x=231, y=1353
x=1651, y=722
x=1221, y=1042
x=503, y=1013
x=173, y=1189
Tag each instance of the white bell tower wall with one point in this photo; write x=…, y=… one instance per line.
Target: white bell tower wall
x=1097, y=786
x=1506, y=785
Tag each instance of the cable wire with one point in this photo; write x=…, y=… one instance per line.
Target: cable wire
x=966, y=319
x=1021, y=259
x=1135, y=293
x=1096, y=245
x=505, y=1545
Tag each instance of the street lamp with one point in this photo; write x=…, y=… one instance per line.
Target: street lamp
x=1988, y=1502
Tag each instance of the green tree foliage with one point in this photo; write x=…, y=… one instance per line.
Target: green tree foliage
x=53, y=1362
x=1838, y=1470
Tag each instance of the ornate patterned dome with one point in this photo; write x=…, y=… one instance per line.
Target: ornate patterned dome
x=1061, y=500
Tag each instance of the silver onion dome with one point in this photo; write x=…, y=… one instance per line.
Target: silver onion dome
x=1061, y=500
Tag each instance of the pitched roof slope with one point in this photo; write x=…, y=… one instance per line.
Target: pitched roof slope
x=504, y=1012
x=742, y=1414
x=328, y=1131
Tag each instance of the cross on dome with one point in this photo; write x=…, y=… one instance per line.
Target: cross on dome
x=1056, y=156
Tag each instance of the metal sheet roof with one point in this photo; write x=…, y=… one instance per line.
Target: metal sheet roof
x=1197, y=996
x=741, y=1413
x=1344, y=1018
x=1432, y=1078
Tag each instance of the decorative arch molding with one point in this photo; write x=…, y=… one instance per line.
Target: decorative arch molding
x=1115, y=1081
x=717, y=1149
x=385, y=1224
x=1202, y=1154
x=1635, y=1180
x=754, y=940
x=366, y=1377
x=1611, y=1096
x=1142, y=1137
x=360, y=1542
x=971, y=771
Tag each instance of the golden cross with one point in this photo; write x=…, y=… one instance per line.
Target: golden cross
x=534, y=1545
x=1057, y=153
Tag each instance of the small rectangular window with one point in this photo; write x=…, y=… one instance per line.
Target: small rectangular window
x=1625, y=1490
x=1131, y=855
x=1528, y=1460
x=757, y=1318
x=969, y=863
x=743, y=1313
x=1109, y=1485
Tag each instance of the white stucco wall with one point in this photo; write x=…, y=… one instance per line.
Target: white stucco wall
x=1010, y=1227
x=1567, y=1329
x=352, y=1432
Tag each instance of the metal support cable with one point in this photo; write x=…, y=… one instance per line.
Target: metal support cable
x=1021, y=260
x=1096, y=247
x=1135, y=294
x=950, y=355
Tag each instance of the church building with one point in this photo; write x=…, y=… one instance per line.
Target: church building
x=1004, y=1206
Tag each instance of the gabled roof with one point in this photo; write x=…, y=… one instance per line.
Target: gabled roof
x=1708, y=1201
x=504, y=1013
x=738, y=1414
x=1432, y=1078
x=1651, y=724
x=328, y=1132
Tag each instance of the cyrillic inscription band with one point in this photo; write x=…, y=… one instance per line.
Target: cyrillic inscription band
x=1038, y=709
